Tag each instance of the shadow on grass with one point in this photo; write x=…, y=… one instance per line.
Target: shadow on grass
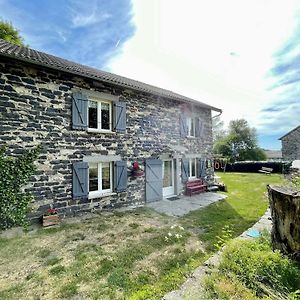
x=210, y=221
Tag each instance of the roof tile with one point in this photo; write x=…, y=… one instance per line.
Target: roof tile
x=47, y=60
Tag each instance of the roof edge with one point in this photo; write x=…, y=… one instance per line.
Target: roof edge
x=61, y=69
x=289, y=132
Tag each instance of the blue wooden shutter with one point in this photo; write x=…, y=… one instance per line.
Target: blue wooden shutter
x=199, y=127
x=185, y=169
x=120, y=176
x=183, y=125
x=199, y=167
x=80, y=180
x=120, y=116
x=79, y=111
x=202, y=168
x=154, y=184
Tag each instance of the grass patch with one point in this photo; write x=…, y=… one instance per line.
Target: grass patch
x=68, y=290
x=78, y=236
x=12, y=292
x=245, y=204
x=57, y=270
x=52, y=260
x=120, y=279
x=44, y=253
x=251, y=267
x=136, y=254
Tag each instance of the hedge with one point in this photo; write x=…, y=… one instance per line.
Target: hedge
x=253, y=166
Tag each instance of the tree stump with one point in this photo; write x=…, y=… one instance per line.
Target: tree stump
x=285, y=210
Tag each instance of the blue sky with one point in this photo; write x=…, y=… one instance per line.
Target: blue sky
x=241, y=56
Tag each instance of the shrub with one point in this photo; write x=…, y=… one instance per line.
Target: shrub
x=254, y=166
x=263, y=271
x=14, y=174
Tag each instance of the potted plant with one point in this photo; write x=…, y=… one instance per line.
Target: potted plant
x=136, y=170
x=51, y=218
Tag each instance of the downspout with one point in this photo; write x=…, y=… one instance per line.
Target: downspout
x=217, y=115
x=213, y=118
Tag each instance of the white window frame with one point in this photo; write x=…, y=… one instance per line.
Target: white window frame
x=189, y=126
x=99, y=102
x=100, y=192
x=190, y=168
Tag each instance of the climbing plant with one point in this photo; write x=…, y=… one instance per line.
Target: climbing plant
x=14, y=174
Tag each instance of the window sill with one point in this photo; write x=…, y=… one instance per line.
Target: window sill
x=92, y=130
x=101, y=195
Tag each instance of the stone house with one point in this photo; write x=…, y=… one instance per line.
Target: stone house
x=93, y=126
x=273, y=155
x=291, y=145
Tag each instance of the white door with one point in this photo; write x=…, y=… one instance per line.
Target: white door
x=168, y=178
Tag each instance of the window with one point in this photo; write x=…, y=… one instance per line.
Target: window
x=100, y=179
x=192, y=168
x=191, y=127
x=99, y=115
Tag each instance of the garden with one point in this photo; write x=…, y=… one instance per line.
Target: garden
x=138, y=254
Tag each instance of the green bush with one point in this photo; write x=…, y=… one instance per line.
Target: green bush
x=14, y=174
x=259, y=268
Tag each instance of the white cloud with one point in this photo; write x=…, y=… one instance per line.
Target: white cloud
x=83, y=15
x=83, y=19
x=218, y=52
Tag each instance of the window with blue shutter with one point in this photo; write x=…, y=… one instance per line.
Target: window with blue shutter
x=79, y=111
x=120, y=116
x=202, y=168
x=199, y=165
x=183, y=125
x=185, y=166
x=120, y=176
x=80, y=180
x=199, y=127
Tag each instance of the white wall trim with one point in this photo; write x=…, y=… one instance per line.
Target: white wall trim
x=101, y=158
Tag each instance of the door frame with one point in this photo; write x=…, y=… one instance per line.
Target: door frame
x=173, y=171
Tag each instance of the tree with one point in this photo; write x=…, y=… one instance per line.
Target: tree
x=240, y=143
x=10, y=34
x=218, y=130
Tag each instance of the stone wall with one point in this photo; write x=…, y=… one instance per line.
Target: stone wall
x=291, y=145
x=285, y=209
x=35, y=108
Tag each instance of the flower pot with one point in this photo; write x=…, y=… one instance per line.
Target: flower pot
x=51, y=220
x=137, y=173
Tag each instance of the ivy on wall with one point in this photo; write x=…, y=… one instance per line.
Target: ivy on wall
x=14, y=174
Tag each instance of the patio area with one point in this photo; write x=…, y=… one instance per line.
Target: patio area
x=185, y=204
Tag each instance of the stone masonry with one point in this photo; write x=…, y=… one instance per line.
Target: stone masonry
x=291, y=145
x=35, y=108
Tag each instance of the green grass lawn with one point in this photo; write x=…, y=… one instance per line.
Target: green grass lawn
x=133, y=255
x=246, y=203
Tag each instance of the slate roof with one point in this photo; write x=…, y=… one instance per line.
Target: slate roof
x=298, y=127
x=273, y=154
x=53, y=62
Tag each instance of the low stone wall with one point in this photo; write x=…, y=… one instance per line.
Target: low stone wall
x=285, y=210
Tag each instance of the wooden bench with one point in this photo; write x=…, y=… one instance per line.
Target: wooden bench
x=195, y=187
x=266, y=170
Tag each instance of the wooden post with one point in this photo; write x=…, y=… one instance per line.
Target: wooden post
x=285, y=209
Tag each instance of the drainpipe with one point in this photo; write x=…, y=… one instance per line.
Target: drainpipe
x=217, y=115
x=213, y=118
